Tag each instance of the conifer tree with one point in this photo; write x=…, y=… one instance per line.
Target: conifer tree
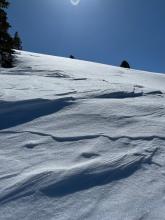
x=125, y=64
x=17, y=43
x=6, y=41
x=72, y=57
x=4, y=4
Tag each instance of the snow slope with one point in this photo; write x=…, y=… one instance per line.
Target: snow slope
x=80, y=141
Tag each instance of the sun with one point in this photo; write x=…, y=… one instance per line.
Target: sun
x=75, y=2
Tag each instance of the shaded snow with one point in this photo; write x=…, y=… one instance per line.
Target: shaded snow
x=81, y=140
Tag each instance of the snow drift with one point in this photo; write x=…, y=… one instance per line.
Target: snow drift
x=81, y=140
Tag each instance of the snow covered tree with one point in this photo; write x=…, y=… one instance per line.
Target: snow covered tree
x=17, y=43
x=125, y=64
x=6, y=41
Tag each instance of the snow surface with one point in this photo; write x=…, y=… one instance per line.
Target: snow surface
x=81, y=140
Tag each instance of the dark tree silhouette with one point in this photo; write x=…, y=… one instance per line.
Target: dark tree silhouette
x=4, y=4
x=6, y=41
x=125, y=64
x=17, y=43
x=72, y=57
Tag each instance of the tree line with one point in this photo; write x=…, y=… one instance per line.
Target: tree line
x=7, y=42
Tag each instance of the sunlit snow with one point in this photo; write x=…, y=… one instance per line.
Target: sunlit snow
x=81, y=141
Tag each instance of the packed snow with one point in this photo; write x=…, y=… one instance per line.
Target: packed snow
x=81, y=141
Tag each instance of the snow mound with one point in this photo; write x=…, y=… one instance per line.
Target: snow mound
x=80, y=140
x=20, y=112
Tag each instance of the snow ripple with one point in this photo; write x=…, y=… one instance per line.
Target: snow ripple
x=57, y=182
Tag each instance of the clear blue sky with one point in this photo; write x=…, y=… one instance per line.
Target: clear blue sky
x=105, y=31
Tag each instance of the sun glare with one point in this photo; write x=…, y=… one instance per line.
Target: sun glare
x=75, y=2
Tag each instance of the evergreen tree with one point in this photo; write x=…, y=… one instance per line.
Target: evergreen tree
x=72, y=57
x=17, y=43
x=6, y=41
x=4, y=4
x=125, y=64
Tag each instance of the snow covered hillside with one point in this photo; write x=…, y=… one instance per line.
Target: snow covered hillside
x=81, y=141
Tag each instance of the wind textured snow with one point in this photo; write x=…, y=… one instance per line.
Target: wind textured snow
x=81, y=141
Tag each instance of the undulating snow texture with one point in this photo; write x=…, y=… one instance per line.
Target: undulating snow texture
x=81, y=141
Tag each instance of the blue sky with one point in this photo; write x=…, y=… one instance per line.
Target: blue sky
x=105, y=31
